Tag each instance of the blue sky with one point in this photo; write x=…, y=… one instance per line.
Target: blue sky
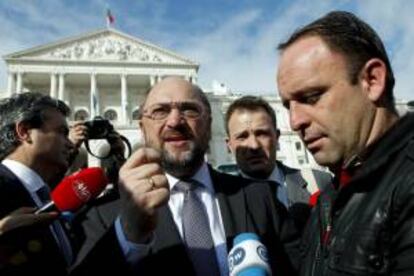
x=233, y=40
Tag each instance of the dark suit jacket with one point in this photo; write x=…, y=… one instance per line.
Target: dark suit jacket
x=298, y=194
x=27, y=250
x=245, y=207
x=297, y=186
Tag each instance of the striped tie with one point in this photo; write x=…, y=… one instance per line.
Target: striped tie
x=196, y=231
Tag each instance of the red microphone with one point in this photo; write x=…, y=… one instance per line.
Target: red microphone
x=76, y=190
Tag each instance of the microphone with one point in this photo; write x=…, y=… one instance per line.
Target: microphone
x=76, y=190
x=248, y=256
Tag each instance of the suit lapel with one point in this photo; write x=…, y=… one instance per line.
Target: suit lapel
x=232, y=205
x=168, y=246
x=13, y=193
x=296, y=186
x=166, y=232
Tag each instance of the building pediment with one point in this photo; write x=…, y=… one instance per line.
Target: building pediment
x=106, y=45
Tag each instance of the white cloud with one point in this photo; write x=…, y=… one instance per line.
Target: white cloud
x=393, y=20
x=25, y=24
x=240, y=51
x=246, y=61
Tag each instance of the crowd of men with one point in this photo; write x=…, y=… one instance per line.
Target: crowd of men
x=169, y=211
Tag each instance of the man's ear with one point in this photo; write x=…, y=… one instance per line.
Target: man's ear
x=277, y=133
x=23, y=132
x=373, y=77
x=228, y=145
x=277, y=139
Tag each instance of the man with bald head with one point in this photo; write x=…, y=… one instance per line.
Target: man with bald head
x=176, y=212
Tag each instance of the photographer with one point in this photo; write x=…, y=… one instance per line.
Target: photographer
x=77, y=135
x=82, y=132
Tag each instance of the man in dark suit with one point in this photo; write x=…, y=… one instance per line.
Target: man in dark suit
x=35, y=153
x=34, y=150
x=253, y=139
x=176, y=212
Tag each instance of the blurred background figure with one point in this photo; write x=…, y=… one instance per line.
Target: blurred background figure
x=253, y=139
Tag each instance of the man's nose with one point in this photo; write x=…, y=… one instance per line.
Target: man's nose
x=252, y=142
x=299, y=118
x=174, y=118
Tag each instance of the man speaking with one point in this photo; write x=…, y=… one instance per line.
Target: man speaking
x=177, y=213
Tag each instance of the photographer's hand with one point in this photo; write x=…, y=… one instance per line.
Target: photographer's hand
x=78, y=133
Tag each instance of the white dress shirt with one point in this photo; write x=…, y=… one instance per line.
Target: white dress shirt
x=207, y=195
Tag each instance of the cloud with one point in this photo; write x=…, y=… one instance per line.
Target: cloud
x=234, y=43
x=241, y=52
x=393, y=21
x=25, y=24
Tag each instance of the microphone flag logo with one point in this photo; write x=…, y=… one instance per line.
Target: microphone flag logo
x=81, y=190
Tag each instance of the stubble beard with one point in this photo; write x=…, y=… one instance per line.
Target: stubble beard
x=187, y=163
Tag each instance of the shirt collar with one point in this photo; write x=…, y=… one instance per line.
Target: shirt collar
x=277, y=176
x=30, y=179
x=202, y=176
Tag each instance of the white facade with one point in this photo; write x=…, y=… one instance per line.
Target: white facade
x=107, y=73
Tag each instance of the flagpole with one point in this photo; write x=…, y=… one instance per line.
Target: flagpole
x=110, y=19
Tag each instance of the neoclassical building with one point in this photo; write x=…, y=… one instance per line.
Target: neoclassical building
x=107, y=73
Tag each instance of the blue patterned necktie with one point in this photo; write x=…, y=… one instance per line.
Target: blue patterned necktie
x=44, y=195
x=196, y=231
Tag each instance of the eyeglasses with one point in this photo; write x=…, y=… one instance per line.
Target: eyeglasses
x=188, y=110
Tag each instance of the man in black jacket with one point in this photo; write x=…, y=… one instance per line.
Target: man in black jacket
x=34, y=156
x=34, y=151
x=336, y=80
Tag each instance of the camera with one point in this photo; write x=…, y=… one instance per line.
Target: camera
x=99, y=128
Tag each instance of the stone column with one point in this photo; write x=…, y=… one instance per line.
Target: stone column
x=124, y=98
x=61, y=93
x=53, y=85
x=19, y=84
x=152, y=80
x=10, y=83
x=94, y=97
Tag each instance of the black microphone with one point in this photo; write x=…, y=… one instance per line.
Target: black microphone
x=76, y=190
x=248, y=256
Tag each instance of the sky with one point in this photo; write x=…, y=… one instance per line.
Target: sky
x=234, y=41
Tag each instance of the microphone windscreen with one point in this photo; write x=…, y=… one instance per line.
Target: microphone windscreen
x=248, y=256
x=77, y=189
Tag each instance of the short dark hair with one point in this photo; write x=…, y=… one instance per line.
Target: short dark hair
x=196, y=89
x=30, y=108
x=345, y=33
x=251, y=103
